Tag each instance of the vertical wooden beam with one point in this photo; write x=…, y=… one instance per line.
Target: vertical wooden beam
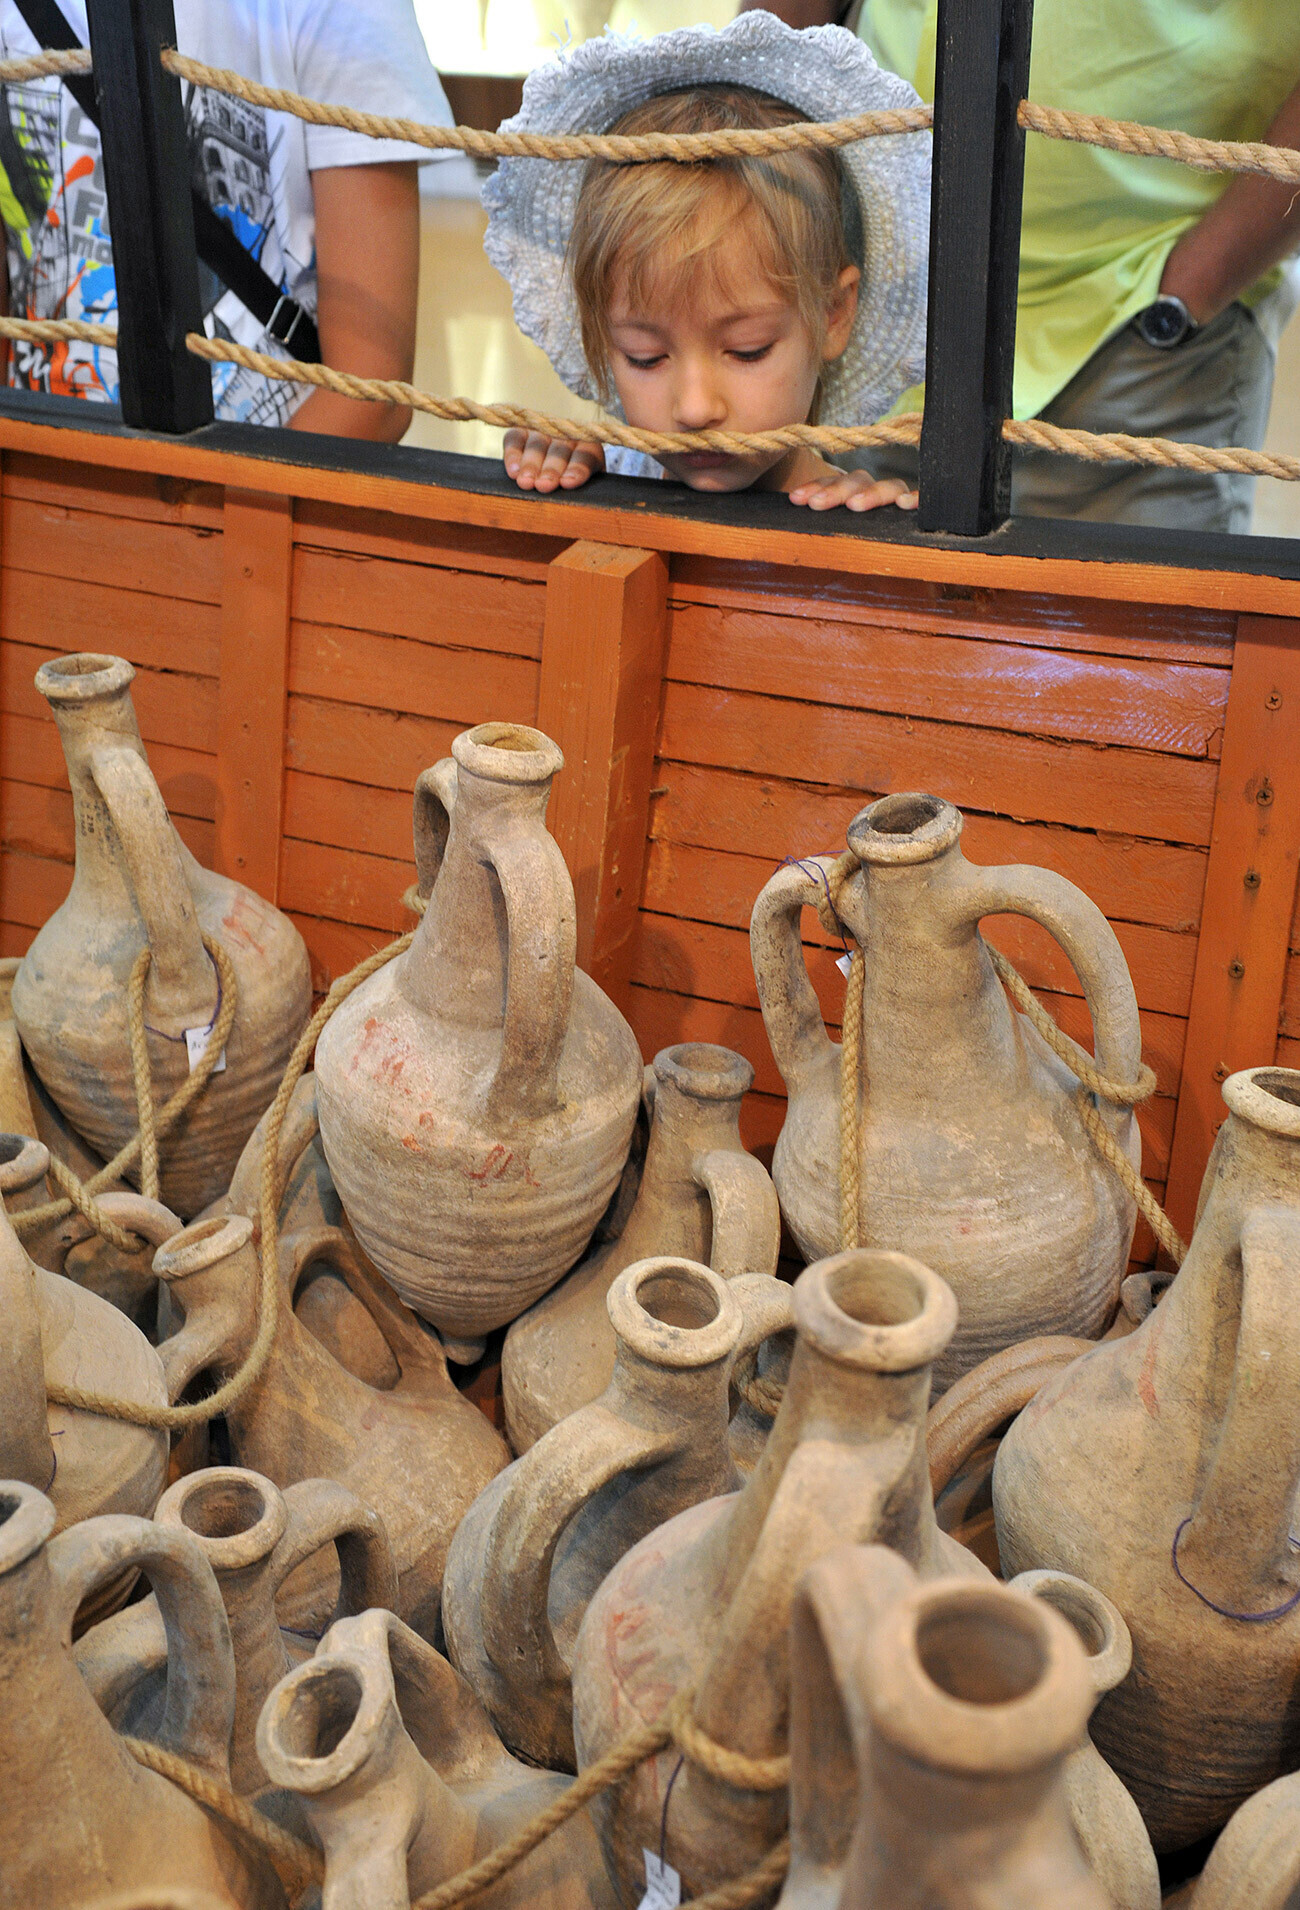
x=981, y=75
x=257, y=544
x=1250, y=888
x=147, y=180
x=602, y=669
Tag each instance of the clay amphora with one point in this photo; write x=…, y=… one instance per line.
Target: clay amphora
x=55, y=1332
x=703, y=1603
x=974, y=1156
x=253, y=1536
x=82, y=1819
x=702, y=1197
x=477, y=1094
x=1106, y=1820
x=136, y=882
x=403, y=1782
x=537, y=1542
x=418, y=1454
x=1255, y=1863
x=931, y=1731
x=1162, y=1468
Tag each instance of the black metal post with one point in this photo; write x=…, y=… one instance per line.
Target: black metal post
x=981, y=75
x=147, y=179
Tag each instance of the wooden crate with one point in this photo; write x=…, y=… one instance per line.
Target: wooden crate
x=307, y=638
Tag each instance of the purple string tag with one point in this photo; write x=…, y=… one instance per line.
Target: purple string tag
x=1245, y=1618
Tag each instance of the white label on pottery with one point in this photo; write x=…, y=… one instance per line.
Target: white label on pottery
x=663, y=1885
x=196, y=1040
x=844, y=963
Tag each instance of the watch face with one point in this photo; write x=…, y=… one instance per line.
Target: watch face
x=1164, y=323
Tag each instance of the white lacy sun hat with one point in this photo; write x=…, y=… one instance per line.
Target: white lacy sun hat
x=826, y=73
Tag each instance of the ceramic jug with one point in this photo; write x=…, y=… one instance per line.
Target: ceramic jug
x=57, y=1333
x=701, y=1197
x=931, y=1731
x=477, y=1094
x=539, y=1539
x=1106, y=1820
x=703, y=1603
x=973, y=1154
x=134, y=883
x=1255, y=1862
x=1163, y=1467
x=253, y=1536
x=82, y=1819
x=404, y=1784
x=418, y=1454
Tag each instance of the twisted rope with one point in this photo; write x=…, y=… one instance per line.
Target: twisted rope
x=1032, y=434
x=1159, y=142
x=300, y=1861
x=143, y=1144
x=41, y=66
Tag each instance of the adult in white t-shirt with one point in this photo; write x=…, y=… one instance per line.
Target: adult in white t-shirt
x=333, y=217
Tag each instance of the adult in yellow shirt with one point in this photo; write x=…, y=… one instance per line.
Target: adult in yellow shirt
x=1151, y=296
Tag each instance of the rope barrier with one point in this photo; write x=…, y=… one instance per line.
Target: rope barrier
x=45, y=65
x=1160, y=142
x=143, y=1144
x=1030, y=433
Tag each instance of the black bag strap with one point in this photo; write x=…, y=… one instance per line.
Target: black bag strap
x=283, y=318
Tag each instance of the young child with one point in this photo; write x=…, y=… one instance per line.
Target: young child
x=740, y=294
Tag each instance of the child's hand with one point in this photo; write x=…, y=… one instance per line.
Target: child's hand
x=857, y=489
x=537, y=463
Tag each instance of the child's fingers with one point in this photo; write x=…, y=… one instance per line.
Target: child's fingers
x=584, y=462
x=871, y=496
x=525, y=453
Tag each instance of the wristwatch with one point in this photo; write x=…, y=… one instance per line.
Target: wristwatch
x=1166, y=322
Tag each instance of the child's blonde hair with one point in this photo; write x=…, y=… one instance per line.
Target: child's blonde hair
x=658, y=223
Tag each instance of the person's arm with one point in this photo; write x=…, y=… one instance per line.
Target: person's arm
x=368, y=280
x=1250, y=228
x=798, y=13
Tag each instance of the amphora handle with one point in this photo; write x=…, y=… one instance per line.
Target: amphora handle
x=435, y=798
x=746, y=1215
x=791, y=1012
x=1090, y=944
x=156, y=873
x=200, y=1707
x=542, y=931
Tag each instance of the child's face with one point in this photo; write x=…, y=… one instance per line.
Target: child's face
x=733, y=355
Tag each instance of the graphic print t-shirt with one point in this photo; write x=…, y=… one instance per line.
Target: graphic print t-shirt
x=252, y=166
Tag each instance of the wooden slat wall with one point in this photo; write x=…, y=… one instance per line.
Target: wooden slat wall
x=1096, y=727
x=1084, y=735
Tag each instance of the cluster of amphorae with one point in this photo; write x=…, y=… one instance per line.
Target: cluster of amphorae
x=397, y=1638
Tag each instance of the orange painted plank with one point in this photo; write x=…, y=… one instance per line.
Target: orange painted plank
x=716, y=887
x=185, y=776
x=1288, y=1053
x=1170, y=633
x=619, y=524
x=66, y=615
x=415, y=539
x=473, y=610
x=383, y=748
x=335, y=947
x=1129, y=791
x=323, y=809
x=598, y=697
x=171, y=560
x=1289, y=1021
x=170, y=707
x=1250, y=894
x=15, y=938
x=397, y=673
x=1038, y=692
x=257, y=547
x=39, y=822
x=698, y=958
x=364, y=891
x=32, y=887
x=117, y=493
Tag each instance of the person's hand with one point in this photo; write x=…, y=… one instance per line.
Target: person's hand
x=538, y=463
x=856, y=489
